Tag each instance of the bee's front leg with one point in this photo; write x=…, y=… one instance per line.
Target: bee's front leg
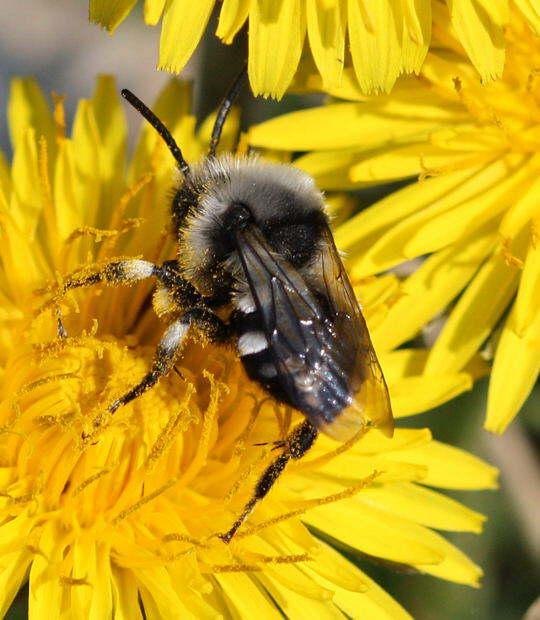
x=126, y=271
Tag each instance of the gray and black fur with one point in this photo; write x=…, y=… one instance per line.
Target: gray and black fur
x=254, y=243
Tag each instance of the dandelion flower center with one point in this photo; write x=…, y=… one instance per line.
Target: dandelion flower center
x=123, y=514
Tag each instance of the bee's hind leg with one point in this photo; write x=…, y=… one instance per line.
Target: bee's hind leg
x=298, y=443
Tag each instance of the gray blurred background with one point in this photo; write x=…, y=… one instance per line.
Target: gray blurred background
x=53, y=41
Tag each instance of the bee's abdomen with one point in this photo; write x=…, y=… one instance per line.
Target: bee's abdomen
x=255, y=354
x=320, y=395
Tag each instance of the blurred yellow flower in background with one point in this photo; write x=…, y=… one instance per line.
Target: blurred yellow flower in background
x=474, y=211
x=128, y=521
x=381, y=38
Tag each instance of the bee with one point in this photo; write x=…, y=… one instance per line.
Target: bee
x=254, y=245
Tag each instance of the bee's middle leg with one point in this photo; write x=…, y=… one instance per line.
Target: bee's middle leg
x=211, y=326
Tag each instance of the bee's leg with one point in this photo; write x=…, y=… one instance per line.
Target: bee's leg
x=210, y=324
x=298, y=443
x=126, y=271
x=120, y=272
x=61, y=330
x=163, y=362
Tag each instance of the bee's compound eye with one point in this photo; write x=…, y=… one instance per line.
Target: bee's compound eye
x=238, y=216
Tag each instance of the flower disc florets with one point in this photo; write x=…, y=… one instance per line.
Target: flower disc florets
x=111, y=514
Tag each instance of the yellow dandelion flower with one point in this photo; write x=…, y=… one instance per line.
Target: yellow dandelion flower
x=385, y=37
x=128, y=520
x=474, y=209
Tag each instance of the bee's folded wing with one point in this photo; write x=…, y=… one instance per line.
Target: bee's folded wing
x=318, y=340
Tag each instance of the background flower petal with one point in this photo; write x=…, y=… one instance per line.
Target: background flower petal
x=449, y=467
x=153, y=10
x=110, y=13
x=508, y=389
x=27, y=107
x=183, y=25
x=424, y=506
x=326, y=25
x=479, y=26
x=276, y=37
x=232, y=16
x=437, y=281
x=474, y=316
x=375, y=47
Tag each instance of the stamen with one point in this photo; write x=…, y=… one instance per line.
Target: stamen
x=479, y=109
x=29, y=387
x=74, y=581
x=120, y=210
x=27, y=497
x=336, y=497
x=464, y=164
x=26, y=389
x=281, y=559
x=201, y=455
x=533, y=80
x=287, y=419
x=326, y=458
x=177, y=424
x=37, y=551
x=174, y=537
x=246, y=473
x=88, y=231
x=535, y=234
x=52, y=349
x=155, y=253
x=47, y=197
x=281, y=417
x=21, y=499
x=509, y=258
x=240, y=443
x=64, y=421
x=263, y=559
x=144, y=500
x=233, y=568
x=59, y=116
x=86, y=483
x=307, y=504
x=180, y=554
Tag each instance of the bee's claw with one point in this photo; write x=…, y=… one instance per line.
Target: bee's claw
x=276, y=445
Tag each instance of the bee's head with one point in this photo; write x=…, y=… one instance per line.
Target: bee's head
x=281, y=200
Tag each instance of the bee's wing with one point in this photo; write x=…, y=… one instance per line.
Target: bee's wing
x=371, y=398
x=321, y=359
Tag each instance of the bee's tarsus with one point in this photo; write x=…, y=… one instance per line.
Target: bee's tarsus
x=62, y=333
x=276, y=445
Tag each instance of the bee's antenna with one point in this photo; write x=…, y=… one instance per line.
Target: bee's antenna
x=159, y=127
x=225, y=108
